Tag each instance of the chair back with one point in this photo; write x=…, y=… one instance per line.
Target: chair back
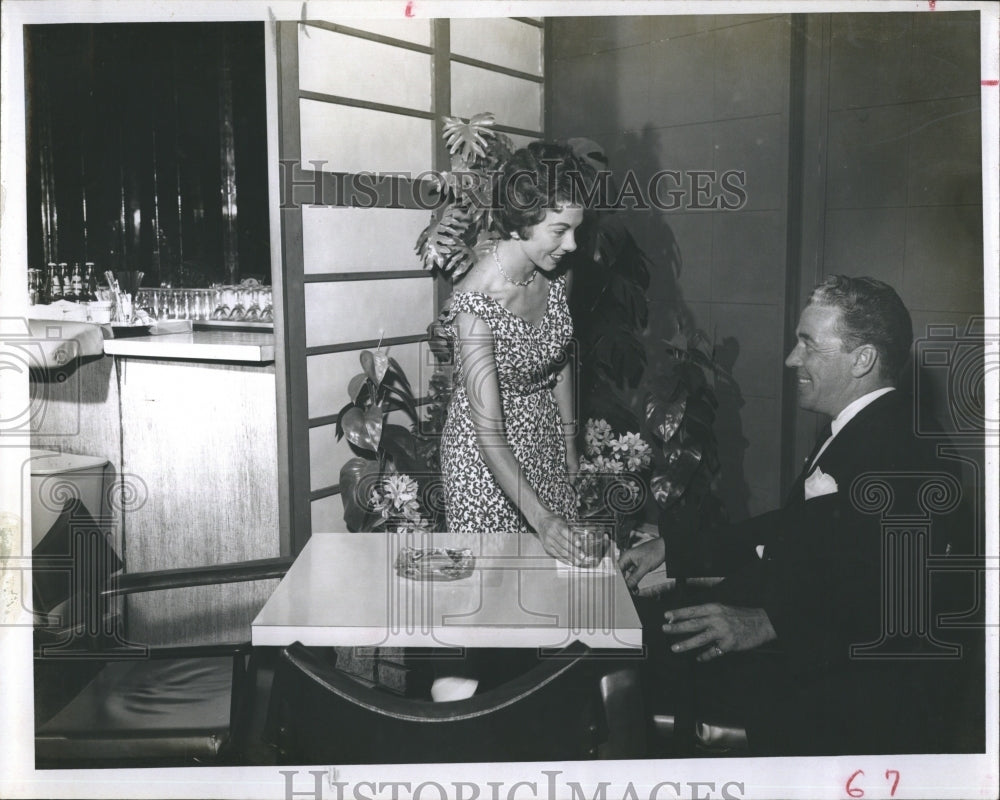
x=550, y=713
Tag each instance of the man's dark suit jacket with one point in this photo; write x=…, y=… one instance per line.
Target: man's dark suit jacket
x=821, y=583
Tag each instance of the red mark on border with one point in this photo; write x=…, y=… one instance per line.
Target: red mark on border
x=409, y=8
x=932, y=4
x=993, y=82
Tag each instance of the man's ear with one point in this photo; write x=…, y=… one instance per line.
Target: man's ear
x=865, y=360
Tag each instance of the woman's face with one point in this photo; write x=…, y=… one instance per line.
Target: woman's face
x=553, y=237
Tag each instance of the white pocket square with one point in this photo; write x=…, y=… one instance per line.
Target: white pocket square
x=819, y=483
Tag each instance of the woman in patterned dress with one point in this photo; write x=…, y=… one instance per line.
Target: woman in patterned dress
x=508, y=454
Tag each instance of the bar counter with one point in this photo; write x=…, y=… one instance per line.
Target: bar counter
x=214, y=345
x=188, y=421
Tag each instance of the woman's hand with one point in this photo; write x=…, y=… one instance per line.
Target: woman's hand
x=636, y=562
x=557, y=539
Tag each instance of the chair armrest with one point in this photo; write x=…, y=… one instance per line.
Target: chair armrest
x=232, y=649
x=236, y=572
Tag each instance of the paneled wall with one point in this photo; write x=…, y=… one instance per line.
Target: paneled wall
x=694, y=94
x=859, y=135
x=903, y=194
x=362, y=100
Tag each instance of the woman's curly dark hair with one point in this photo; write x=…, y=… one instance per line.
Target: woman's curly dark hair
x=536, y=178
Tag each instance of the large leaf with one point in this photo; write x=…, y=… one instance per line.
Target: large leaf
x=401, y=445
x=664, y=417
x=443, y=240
x=357, y=478
x=669, y=484
x=469, y=140
x=375, y=365
x=356, y=386
x=399, y=374
x=364, y=428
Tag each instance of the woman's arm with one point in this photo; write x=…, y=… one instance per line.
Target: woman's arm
x=482, y=387
x=565, y=399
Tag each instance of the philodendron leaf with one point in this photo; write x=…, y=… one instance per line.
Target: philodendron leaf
x=375, y=364
x=469, y=139
x=669, y=484
x=364, y=428
x=358, y=382
x=663, y=418
x=357, y=479
x=444, y=239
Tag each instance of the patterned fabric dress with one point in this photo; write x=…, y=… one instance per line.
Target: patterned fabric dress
x=527, y=360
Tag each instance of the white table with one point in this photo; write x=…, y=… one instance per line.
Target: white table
x=343, y=590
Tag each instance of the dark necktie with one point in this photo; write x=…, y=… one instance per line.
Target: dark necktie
x=796, y=492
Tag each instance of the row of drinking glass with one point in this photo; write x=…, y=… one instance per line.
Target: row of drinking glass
x=226, y=303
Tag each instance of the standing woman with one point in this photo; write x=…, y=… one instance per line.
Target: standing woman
x=507, y=451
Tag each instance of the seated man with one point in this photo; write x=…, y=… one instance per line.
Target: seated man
x=778, y=632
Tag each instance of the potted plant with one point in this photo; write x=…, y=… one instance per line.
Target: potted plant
x=386, y=484
x=678, y=424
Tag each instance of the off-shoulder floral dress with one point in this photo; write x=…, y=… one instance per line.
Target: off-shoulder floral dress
x=528, y=358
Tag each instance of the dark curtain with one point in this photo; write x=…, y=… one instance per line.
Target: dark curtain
x=147, y=149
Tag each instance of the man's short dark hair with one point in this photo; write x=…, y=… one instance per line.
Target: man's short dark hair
x=870, y=313
x=536, y=178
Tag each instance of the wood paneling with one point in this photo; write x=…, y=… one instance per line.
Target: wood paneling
x=77, y=412
x=200, y=450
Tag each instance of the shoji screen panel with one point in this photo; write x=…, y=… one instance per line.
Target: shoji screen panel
x=363, y=105
x=497, y=66
x=326, y=371
x=508, y=43
x=365, y=98
x=342, y=239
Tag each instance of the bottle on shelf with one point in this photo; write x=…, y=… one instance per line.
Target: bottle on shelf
x=64, y=285
x=54, y=286
x=76, y=283
x=89, y=283
x=34, y=286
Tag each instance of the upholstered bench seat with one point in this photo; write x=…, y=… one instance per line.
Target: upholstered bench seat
x=145, y=708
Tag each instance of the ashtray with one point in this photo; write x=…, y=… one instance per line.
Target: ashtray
x=435, y=563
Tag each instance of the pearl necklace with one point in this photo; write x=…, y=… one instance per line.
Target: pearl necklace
x=507, y=277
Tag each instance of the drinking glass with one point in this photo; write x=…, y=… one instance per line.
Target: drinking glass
x=267, y=311
x=592, y=539
x=239, y=307
x=252, y=313
x=221, y=307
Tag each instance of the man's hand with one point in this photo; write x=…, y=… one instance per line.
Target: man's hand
x=638, y=561
x=721, y=629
